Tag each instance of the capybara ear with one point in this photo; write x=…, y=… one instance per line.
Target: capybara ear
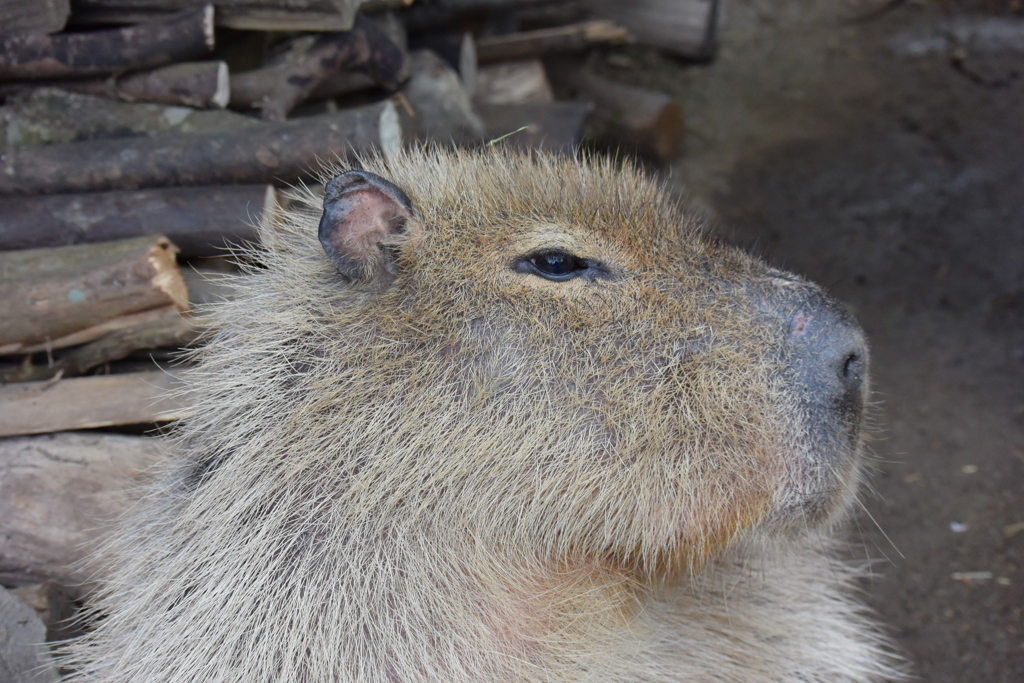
x=364, y=215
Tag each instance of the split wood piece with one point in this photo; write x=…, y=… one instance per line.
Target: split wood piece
x=54, y=604
x=50, y=296
x=23, y=659
x=58, y=492
x=458, y=50
x=284, y=151
x=366, y=48
x=436, y=105
x=172, y=329
x=552, y=126
x=88, y=402
x=179, y=38
x=687, y=28
x=650, y=122
x=253, y=15
x=200, y=221
x=523, y=82
x=48, y=116
x=572, y=38
x=25, y=17
x=204, y=85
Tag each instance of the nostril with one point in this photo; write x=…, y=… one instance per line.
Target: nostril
x=853, y=370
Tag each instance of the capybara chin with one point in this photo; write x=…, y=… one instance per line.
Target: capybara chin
x=482, y=416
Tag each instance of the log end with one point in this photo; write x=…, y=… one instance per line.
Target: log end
x=222, y=93
x=167, y=277
x=208, y=26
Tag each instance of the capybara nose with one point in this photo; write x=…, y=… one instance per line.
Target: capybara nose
x=827, y=357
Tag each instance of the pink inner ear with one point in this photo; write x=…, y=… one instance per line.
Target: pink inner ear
x=368, y=219
x=361, y=213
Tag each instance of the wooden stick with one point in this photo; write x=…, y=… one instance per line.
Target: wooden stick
x=181, y=37
x=253, y=15
x=22, y=17
x=688, y=28
x=366, y=48
x=200, y=221
x=170, y=329
x=47, y=294
x=571, y=38
x=551, y=126
x=58, y=492
x=88, y=402
x=47, y=116
x=284, y=151
x=203, y=85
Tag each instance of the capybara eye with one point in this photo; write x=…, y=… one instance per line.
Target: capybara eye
x=557, y=266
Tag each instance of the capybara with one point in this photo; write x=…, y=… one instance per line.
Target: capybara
x=494, y=416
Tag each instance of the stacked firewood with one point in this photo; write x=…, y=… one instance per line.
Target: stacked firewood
x=143, y=138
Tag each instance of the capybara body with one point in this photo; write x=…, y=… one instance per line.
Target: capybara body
x=511, y=418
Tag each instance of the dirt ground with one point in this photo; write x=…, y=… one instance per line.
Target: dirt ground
x=885, y=159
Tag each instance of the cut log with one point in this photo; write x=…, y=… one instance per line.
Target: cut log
x=254, y=15
x=366, y=49
x=204, y=85
x=200, y=221
x=58, y=492
x=48, y=116
x=687, y=28
x=88, y=402
x=437, y=105
x=530, y=44
x=172, y=329
x=458, y=50
x=47, y=295
x=55, y=607
x=26, y=17
x=552, y=126
x=522, y=82
x=182, y=37
x=23, y=656
x=284, y=151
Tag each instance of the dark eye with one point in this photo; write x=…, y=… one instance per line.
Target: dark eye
x=553, y=265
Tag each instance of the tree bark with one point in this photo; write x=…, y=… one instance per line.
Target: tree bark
x=184, y=36
x=253, y=15
x=171, y=329
x=282, y=151
x=23, y=17
x=57, y=493
x=366, y=49
x=204, y=85
x=200, y=221
x=530, y=44
x=88, y=402
x=46, y=295
x=47, y=116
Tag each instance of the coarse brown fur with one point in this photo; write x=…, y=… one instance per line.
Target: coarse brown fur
x=460, y=472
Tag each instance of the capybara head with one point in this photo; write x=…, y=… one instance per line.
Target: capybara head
x=496, y=389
